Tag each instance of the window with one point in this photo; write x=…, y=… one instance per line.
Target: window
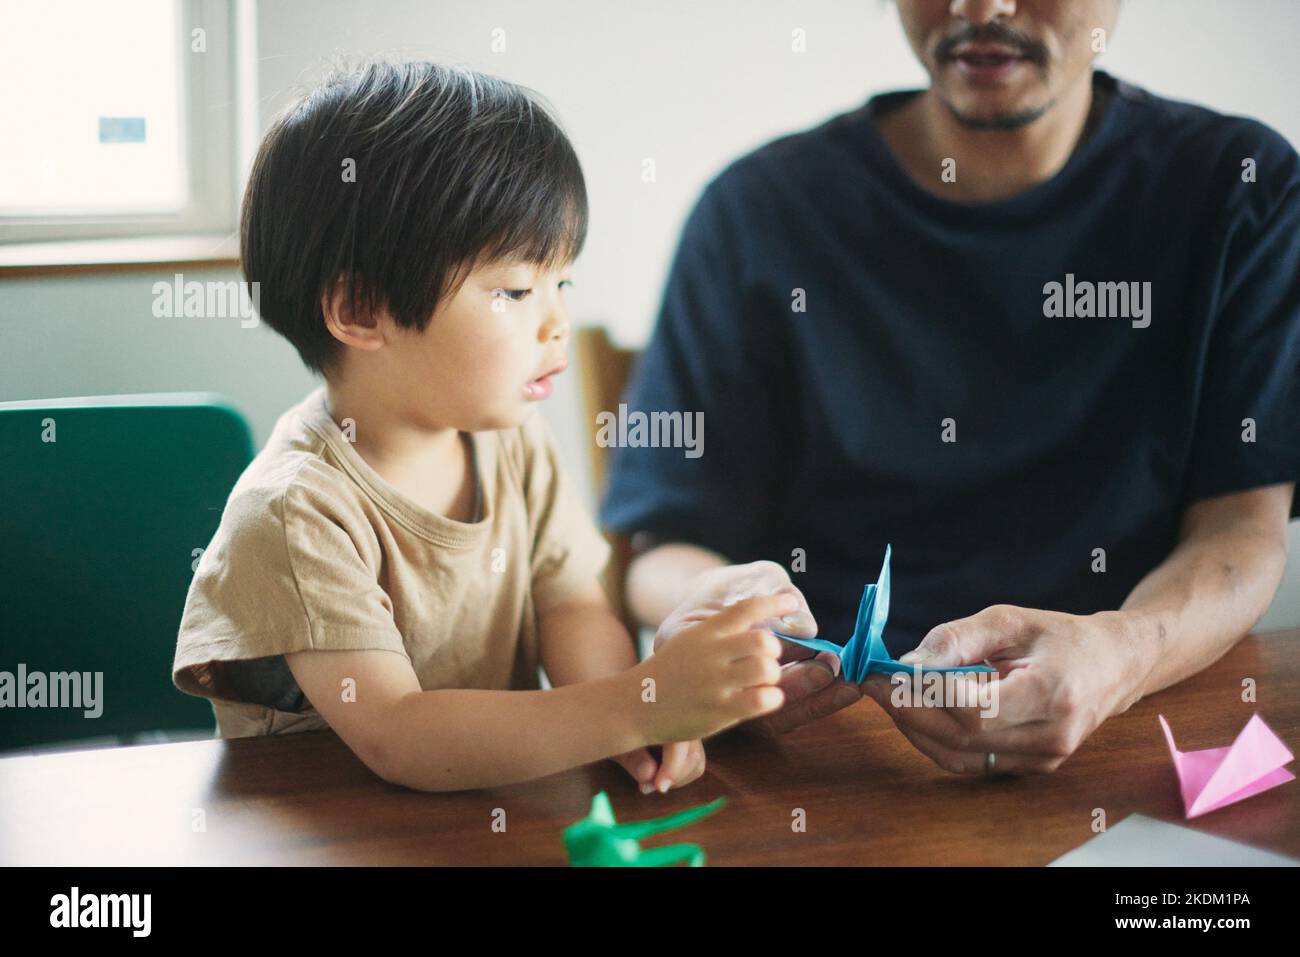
x=119, y=119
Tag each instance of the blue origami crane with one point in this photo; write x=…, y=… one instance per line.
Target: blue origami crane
x=865, y=652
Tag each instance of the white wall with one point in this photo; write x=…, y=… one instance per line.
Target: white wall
x=689, y=83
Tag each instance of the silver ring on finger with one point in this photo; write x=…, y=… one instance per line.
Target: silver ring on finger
x=990, y=759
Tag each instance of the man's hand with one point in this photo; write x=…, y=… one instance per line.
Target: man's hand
x=1060, y=676
x=1063, y=675
x=808, y=679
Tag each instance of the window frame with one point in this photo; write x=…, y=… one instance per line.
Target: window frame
x=209, y=94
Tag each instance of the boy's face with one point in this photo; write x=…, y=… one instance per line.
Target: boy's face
x=486, y=358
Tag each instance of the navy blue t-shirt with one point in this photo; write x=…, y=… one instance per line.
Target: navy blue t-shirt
x=875, y=364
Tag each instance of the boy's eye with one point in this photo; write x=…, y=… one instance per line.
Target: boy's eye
x=514, y=295
x=565, y=282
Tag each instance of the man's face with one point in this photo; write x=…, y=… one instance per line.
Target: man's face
x=1000, y=64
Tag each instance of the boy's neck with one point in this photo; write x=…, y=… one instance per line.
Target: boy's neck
x=428, y=465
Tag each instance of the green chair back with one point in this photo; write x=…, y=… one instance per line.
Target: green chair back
x=103, y=504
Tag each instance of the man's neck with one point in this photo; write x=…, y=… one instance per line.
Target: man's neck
x=990, y=165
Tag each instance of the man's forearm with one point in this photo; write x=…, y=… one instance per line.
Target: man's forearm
x=1203, y=598
x=659, y=578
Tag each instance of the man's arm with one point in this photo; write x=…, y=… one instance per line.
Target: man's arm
x=658, y=579
x=1213, y=587
x=1063, y=675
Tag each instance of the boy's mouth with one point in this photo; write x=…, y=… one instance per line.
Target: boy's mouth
x=540, y=388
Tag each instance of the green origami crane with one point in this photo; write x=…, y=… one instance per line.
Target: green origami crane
x=865, y=652
x=600, y=841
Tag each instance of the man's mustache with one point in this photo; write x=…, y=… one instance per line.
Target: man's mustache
x=995, y=32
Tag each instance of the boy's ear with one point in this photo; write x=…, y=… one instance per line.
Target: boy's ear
x=351, y=323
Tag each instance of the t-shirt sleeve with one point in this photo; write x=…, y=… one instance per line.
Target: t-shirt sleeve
x=1247, y=431
x=568, y=550
x=289, y=569
x=716, y=355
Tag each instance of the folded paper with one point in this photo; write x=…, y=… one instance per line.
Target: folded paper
x=865, y=651
x=1216, y=777
x=598, y=840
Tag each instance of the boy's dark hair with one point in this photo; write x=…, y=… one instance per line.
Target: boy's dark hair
x=452, y=168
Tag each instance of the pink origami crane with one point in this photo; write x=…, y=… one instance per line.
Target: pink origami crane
x=1216, y=777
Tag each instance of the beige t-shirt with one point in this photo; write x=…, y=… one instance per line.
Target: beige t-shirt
x=316, y=551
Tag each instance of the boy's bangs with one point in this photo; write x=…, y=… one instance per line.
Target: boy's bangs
x=545, y=223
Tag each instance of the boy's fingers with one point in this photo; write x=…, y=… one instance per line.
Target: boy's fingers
x=759, y=700
x=755, y=670
x=641, y=765
x=745, y=614
x=695, y=765
x=749, y=644
x=674, y=766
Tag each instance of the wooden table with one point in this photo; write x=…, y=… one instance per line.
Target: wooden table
x=869, y=797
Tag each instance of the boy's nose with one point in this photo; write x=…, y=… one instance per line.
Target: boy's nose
x=556, y=326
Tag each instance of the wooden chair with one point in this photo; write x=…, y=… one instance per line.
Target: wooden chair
x=605, y=369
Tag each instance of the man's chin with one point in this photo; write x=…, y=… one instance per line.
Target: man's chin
x=996, y=116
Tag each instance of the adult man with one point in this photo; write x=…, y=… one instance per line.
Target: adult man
x=872, y=315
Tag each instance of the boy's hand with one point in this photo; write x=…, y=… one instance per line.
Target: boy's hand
x=807, y=678
x=714, y=673
x=682, y=763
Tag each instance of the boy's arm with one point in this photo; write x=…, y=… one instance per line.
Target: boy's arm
x=582, y=640
x=714, y=674
x=453, y=739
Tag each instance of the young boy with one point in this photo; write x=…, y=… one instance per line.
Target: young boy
x=404, y=553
